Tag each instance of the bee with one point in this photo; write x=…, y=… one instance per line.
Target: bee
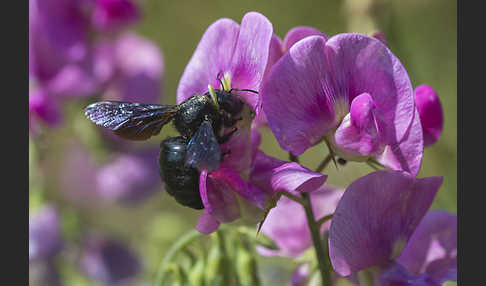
x=202, y=121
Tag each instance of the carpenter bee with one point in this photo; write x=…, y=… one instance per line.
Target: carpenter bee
x=202, y=120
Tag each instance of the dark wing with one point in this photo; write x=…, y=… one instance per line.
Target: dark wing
x=129, y=120
x=203, y=151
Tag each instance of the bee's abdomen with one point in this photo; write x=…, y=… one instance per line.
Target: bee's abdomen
x=181, y=181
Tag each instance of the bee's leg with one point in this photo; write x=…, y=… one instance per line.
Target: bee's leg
x=223, y=139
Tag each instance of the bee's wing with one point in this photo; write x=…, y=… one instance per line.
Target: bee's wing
x=203, y=152
x=134, y=121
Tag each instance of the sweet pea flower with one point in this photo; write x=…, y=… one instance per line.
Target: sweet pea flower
x=112, y=15
x=42, y=108
x=349, y=90
x=277, y=49
x=238, y=52
x=108, y=261
x=45, y=240
x=127, y=178
x=267, y=176
x=379, y=226
x=286, y=224
x=430, y=111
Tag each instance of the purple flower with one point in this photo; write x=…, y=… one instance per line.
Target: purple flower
x=349, y=90
x=126, y=178
x=114, y=14
x=286, y=224
x=380, y=223
x=300, y=275
x=44, y=235
x=138, y=70
x=129, y=177
x=57, y=35
x=277, y=50
x=108, y=261
x=265, y=177
x=430, y=111
x=42, y=108
x=240, y=52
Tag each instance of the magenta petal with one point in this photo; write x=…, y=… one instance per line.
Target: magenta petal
x=298, y=33
x=286, y=224
x=433, y=247
x=251, y=55
x=275, y=52
x=218, y=198
x=358, y=134
x=292, y=177
x=212, y=55
x=430, y=110
x=364, y=64
x=114, y=14
x=407, y=154
x=233, y=180
x=44, y=107
x=141, y=70
x=375, y=218
x=271, y=175
x=395, y=274
x=206, y=223
x=294, y=101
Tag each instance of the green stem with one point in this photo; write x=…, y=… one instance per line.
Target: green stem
x=324, y=163
x=181, y=243
x=316, y=240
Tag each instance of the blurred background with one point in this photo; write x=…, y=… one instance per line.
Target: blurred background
x=106, y=195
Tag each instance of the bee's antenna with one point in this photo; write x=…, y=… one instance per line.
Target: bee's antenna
x=218, y=77
x=249, y=90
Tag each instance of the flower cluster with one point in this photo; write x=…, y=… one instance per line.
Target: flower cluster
x=73, y=54
x=352, y=92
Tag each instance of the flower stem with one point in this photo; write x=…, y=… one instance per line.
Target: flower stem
x=181, y=243
x=316, y=240
x=324, y=163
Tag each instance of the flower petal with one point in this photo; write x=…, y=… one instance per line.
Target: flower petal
x=294, y=100
x=358, y=134
x=207, y=223
x=364, y=64
x=430, y=110
x=286, y=224
x=395, y=274
x=375, y=218
x=298, y=33
x=44, y=234
x=141, y=70
x=114, y=14
x=407, y=154
x=249, y=192
x=433, y=247
x=251, y=54
x=218, y=198
x=273, y=175
x=212, y=55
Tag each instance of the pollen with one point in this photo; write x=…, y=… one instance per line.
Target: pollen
x=227, y=81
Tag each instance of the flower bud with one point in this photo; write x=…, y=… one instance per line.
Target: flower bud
x=430, y=111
